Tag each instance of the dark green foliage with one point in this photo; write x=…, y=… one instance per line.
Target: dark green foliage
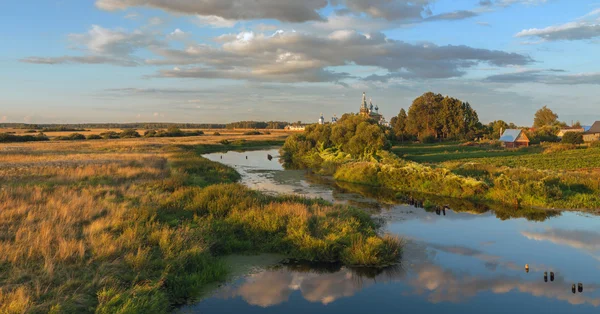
x=110, y=135
x=573, y=138
x=252, y=133
x=543, y=134
x=11, y=138
x=171, y=132
x=257, y=125
x=62, y=128
x=129, y=133
x=442, y=117
x=72, y=137
x=94, y=137
x=355, y=136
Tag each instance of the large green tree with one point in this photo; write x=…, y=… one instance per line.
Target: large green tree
x=544, y=117
x=433, y=115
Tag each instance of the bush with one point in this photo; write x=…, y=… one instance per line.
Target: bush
x=217, y=134
x=10, y=138
x=150, y=133
x=252, y=133
x=225, y=142
x=110, y=135
x=94, y=137
x=427, y=139
x=573, y=138
x=130, y=133
x=72, y=137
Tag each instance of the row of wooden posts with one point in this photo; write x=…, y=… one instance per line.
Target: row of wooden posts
x=574, y=288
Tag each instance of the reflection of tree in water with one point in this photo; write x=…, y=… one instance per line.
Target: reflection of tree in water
x=386, y=198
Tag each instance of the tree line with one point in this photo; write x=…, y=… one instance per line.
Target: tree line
x=433, y=117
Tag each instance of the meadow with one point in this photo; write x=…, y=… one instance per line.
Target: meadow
x=140, y=225
x=548, y=157
x=547, y=176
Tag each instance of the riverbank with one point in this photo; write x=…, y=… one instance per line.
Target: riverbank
x=357, y=150
x=128, y=226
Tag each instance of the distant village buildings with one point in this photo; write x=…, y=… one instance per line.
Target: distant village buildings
x=514, y=138
x=564, y=131
x=593, y=134
x=366, y=110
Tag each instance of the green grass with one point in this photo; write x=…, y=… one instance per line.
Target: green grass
x=532, y=157
x=437, y=153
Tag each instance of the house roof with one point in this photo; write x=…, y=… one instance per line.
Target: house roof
x=595, y=128
x=510, y=135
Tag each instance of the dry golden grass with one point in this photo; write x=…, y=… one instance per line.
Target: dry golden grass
x=73, y=213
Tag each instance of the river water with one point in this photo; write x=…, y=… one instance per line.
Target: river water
x=467, y=261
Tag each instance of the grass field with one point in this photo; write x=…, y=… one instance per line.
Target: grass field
x=139, y=225
x=582, y=158
x=547, y=176
x=223, y=132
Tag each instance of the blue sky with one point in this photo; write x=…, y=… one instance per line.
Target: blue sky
x=75, y=61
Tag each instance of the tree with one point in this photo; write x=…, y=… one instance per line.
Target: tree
x=442, y=117
x=398, y=124
x=544, y=117
x=497, y=128
x=573, y=138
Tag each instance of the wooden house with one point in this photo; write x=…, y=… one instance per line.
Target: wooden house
x=593, y=134
x=513, y=138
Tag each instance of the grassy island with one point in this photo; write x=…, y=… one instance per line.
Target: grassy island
x=139, y=225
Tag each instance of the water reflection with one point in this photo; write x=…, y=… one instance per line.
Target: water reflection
x=471, y=260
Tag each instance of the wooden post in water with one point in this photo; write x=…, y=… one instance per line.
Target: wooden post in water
x=573, y=288
x=527, y=268
x=551, y=276
x=580, y=287
x=545, y=276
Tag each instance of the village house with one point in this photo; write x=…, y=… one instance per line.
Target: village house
x=564, y=131
x=512, y=138
x=593, y=134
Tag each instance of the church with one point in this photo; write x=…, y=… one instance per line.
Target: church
x=367, y=110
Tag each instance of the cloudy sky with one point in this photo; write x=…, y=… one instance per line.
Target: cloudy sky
x=227, y=60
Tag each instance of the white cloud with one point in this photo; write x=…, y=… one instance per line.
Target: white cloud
x=586, y=27
x=290, y=56
x=178, y=34
x=215, y=21
x=102, y=45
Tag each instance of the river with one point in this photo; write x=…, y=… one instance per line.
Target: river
x=467, y=261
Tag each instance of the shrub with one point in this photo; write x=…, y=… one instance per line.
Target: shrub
x=252, y=133
x=573, y=138
x=110, y=135
x=217, y=134
x=427, y=139
x=72, y=137
x=129, y=133
x=94, y=137
x=10, y=138
x=150, y=133
x=225, y=142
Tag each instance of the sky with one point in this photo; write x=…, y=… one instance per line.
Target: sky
x=74, y=61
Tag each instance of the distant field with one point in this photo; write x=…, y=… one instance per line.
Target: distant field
x=532, y=157
x=223, y=132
